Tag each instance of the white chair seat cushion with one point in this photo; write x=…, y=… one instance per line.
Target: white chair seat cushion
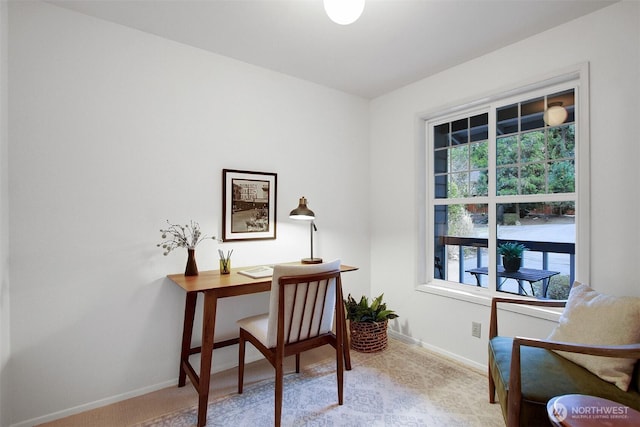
x=256, y=326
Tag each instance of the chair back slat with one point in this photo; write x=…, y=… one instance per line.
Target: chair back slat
x=307, y=286
x=305, y=300
x=307, y=275
x=291, y=308
x=323, y=302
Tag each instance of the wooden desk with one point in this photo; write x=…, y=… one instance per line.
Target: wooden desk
x=530, y=275
x=215, y=285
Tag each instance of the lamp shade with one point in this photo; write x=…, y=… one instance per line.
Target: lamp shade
x=302, y=211
x=556, y=114
x=344, y=12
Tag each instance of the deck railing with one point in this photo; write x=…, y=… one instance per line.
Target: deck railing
x=545, y=247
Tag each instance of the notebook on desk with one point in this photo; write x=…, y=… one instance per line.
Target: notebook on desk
x=258, y=272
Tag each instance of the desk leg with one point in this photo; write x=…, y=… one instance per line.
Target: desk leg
x=187, y=331
x=342, y=323
x=206, y=356
x=346, y=346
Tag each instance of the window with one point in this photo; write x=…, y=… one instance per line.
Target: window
x=503, y=173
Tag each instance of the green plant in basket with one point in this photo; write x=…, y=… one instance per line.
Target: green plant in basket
x=364, y=312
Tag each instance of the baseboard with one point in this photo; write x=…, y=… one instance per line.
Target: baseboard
x=441, y=352
x=95, y=404
x=251, y=356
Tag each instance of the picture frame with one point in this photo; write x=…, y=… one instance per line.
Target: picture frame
x=248, y=205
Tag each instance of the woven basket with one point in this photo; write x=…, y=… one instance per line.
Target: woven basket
x=368, y=337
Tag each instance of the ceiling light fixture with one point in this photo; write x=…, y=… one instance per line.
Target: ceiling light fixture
x=344, y=12
x=555, y=115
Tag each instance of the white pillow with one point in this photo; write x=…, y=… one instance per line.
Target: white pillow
x=594, y=318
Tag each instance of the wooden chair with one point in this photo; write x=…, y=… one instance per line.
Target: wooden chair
x=304, y=300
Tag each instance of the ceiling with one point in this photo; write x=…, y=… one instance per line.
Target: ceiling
x=394, y=43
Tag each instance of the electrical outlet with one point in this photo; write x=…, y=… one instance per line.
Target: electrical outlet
x=476, y=329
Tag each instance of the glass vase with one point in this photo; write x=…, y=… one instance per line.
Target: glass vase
x=225, y=266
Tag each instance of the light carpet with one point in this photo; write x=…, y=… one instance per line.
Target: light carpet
x=404, y=385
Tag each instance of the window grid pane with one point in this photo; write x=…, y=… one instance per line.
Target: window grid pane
x=533, y=157
x=460, y=156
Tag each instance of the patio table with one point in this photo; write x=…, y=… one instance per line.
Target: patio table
x=530, y=275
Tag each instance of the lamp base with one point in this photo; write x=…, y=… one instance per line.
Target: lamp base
x=311, y=260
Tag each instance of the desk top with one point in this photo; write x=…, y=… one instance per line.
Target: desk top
x=232, y=282
x=528, y=274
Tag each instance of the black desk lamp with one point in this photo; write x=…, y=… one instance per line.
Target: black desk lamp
x=303, y=212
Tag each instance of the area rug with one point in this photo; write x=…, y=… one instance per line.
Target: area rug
x=404, y=385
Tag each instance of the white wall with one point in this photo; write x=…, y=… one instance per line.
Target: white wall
x=112, y=131
x=610, y=41
x=4, y=221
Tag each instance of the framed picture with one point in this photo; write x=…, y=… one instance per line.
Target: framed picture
x=248, y=205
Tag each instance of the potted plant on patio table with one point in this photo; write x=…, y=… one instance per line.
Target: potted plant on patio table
x=511, y=255
x=368, y=323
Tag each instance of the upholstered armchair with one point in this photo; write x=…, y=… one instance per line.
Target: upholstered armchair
x=525, y=373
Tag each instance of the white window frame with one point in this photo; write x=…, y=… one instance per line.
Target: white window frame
x=576, y=77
